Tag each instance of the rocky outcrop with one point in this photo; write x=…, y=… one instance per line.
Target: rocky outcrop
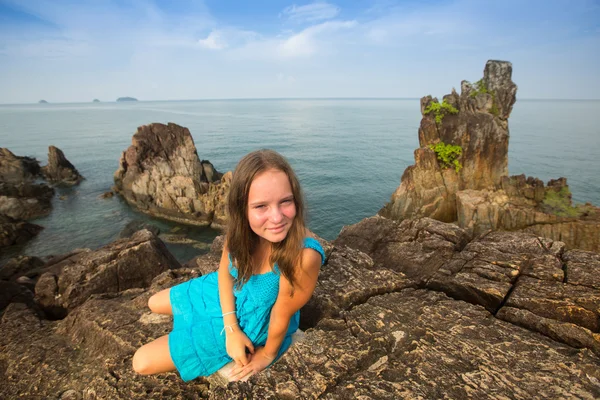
x=477, y=121
x=160, y=174
x=469, y=183
x=121, y=265
x=14, y=231
x=509, y=315
x=25, y=200
x=59, y=170
x=15, y=169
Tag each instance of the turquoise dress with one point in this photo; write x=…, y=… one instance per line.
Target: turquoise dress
x=196, y=344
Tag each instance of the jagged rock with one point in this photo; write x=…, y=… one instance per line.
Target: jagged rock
x=372, y=335
x=161, y=175
x=420, y=344
x=25, y=200
x=59, y=169
x=107, y=195
x=416, y=248
x=136, y=225
x=121, y=265
x=21, y=266
x=13, y=231
x=12, y=292
x=480, y=128
x=15, y=169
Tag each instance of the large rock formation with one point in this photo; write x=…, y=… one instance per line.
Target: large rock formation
x=25, y=200
x=469, y=184
x=402, y=310
x=14, y=231
x=161, y=175
x=15, y=169
x=59, y=169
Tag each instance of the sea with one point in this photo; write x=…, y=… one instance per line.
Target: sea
x=348, y=153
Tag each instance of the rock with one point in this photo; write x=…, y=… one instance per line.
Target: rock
x=96, y=101
x=137, y=225
x=107, y=195
x=421, y=344
x=120, y=99
x=12, y=292
x=160, y=174
x=25, y=200
x=15, y=169
x=59, y=169
x=42, y=102
x=121, y=265
x=21, y=266
x=416, y=248
x=13, y=231
x=480, y=128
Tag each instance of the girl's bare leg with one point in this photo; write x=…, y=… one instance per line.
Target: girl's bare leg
x=161, y=302
x=154, y=357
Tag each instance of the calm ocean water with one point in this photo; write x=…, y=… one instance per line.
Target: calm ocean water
x=349, y=155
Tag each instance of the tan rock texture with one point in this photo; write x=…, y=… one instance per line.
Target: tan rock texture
x=60, y=170
x=160, y=174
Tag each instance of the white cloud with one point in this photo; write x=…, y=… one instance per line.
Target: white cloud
x=306, y=42
x=311, y=12
x=213, y=41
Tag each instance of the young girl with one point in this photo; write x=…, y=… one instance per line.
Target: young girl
x=248, y=310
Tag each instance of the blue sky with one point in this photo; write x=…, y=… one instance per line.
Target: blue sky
x=78, y=50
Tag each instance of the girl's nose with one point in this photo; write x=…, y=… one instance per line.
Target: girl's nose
x=276, y=215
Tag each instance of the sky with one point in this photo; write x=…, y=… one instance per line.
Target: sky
x=78, y=50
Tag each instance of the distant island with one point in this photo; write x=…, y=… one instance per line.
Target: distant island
x=127, y=99
x=97, y=101
x=43, y=102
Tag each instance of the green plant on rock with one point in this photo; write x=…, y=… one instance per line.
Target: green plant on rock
x=479, y=88
x=440, y=110
x=448, y=155
x=559, y=204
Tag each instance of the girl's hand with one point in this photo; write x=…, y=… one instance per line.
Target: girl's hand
x=236, y=343
x=258, y=361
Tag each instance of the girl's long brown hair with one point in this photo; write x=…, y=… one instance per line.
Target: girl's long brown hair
x=242, y=242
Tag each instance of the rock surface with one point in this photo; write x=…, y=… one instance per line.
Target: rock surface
x=161, y=175
x=59, y=169
x=121, y=265
x=15, y=169
x=407, y=309
x=25, y=200
x=14, y=231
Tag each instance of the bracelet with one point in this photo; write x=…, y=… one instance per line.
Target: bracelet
x=227, y=313
x=228, y=326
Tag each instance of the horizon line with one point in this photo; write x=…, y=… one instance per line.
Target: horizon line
x=267, y=98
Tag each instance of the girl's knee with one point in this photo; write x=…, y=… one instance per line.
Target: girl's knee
x=152, y=303
x=141, y=362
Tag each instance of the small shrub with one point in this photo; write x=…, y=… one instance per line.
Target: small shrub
x=448, y=155
x=440, y=110
x=559, y=204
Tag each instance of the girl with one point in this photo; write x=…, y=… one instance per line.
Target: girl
x=248, y=310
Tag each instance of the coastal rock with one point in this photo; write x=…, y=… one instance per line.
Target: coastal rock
x=161, y=175
x=137, y=225
x=25, y=200
x=121, y=265
x=13, y=231
x=479, y=127
x=373, y=332
x=21, y=266
x=15, y=169
x=524, y=204
x=59, y=169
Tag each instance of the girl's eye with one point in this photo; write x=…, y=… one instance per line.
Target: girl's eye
x=259, y=207
x=288, y=201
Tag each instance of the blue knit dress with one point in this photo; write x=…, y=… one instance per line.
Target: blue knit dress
x=196, y=345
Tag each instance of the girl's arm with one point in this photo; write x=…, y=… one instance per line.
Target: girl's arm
x=235, y=339
x=285, y=307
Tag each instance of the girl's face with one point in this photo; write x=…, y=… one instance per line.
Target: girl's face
x=271, y=206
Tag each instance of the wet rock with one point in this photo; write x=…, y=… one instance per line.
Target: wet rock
x=21, y=266
x=25, y=200
x=137, y=225
x=59, y=170
x=15, y=169
x=13, y=231
x=160, y=174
